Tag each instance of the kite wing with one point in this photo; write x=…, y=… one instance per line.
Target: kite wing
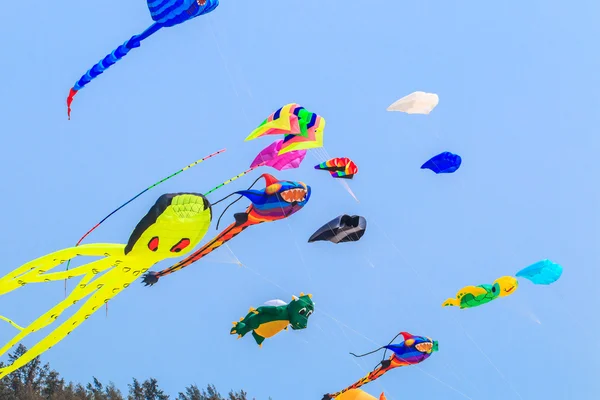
x=281, y=122
x=416, y=103
x=270, y=156
x=345, y=228
x=315, y=128
x=301, y=128
x=445, y=162
x=339, y=167
x=544, y=272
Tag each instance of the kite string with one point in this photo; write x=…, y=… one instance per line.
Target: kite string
x=322, y=151
x=233, y=202
x=453, y=317
x=232, y=81
x=239, y=263
x=228, y=181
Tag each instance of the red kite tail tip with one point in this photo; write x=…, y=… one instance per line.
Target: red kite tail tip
x=72, y=94
x=382, y=397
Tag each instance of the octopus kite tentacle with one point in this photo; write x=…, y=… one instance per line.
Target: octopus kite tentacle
x=173, y=226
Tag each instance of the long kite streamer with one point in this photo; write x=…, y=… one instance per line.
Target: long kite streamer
x=234, y=178
x=148, y=188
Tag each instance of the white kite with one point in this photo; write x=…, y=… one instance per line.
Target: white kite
x=416, y=103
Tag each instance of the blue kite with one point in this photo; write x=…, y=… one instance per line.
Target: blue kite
x=543, y=272
x=165, y=13
x=443, y=163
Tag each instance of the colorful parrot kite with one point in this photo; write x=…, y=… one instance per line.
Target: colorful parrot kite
x=413, y=350
x=165, y=13
x=541, y=273
x=173, y=226
x=270, y=157
x=345, y=228
x=267, y=321
x=301, y=128
x=443, y=163
x=278, y=200
x=339, y=167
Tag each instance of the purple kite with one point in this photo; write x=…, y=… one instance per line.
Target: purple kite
x=269, y=156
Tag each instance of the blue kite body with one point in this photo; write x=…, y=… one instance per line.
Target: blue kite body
x=165, y=13
x=543, y=272
x=443, y=163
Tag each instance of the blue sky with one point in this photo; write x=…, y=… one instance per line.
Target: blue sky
x=518, y=85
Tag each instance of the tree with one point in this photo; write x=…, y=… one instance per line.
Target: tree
x=36, y=381
x=148, y=390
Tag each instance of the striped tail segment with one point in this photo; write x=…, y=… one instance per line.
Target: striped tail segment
x=229, y=233
x=373, y=375
x=107, y=61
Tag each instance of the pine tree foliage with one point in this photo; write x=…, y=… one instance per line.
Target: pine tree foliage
x=37, y=381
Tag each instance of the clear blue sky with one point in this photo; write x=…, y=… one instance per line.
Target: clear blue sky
x=518, y=85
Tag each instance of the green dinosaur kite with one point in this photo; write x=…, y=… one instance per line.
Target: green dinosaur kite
x=275, y=316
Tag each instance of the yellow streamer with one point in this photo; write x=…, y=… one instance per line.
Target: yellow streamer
x=173, y=227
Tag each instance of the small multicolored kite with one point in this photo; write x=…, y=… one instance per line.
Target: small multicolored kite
x=413, y=350
x=301, y=128
x=278, y=200
x=165, y=13
x=339, y=167
x=267, y=321
x=270, y=157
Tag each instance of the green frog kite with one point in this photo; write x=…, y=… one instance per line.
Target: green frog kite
x=274, y=317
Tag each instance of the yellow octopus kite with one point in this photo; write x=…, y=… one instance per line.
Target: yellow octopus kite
x=173, y=226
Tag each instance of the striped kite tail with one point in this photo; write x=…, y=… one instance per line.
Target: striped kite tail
x=109, y=60
x=225, y=236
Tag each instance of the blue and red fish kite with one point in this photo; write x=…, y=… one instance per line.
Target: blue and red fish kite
x=277, y=201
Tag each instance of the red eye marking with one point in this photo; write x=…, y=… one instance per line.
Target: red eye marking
x=153, y=243
x=182, y=244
